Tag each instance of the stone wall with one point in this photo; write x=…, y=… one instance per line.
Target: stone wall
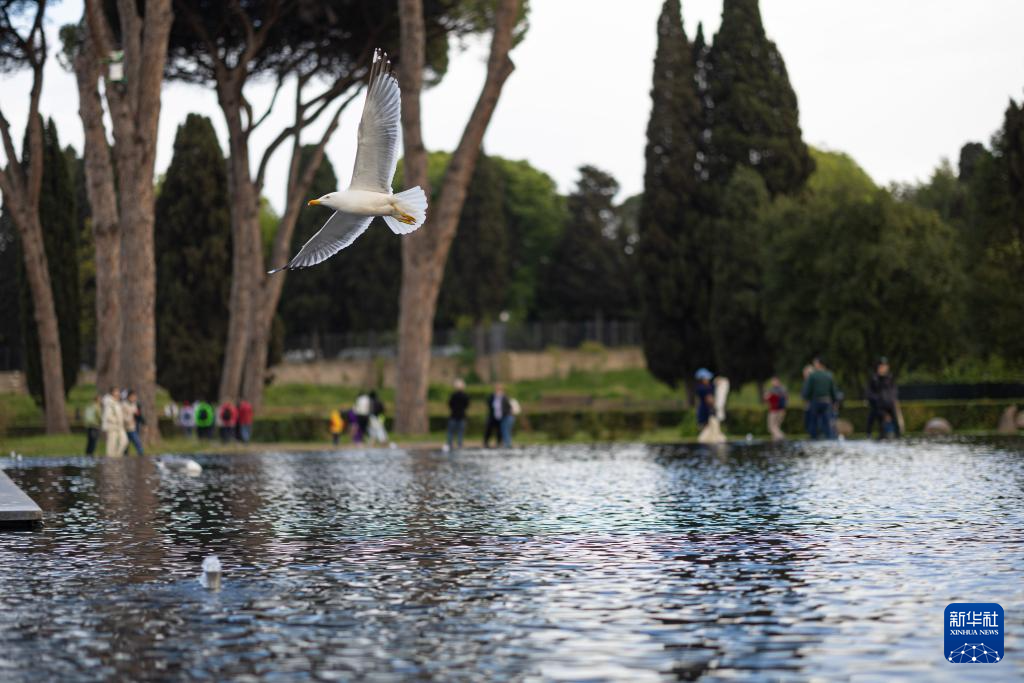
x=510, y=366
x=13, y=383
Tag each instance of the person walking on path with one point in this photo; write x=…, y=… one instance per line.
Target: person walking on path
x=821, y=394
x=498, y=407
x=187, y=419
x=378, y=433
x=91, y=420
x=883, y=397
x=362, y=409
x=705, y=397
x=112, y=421
x=509, y=422
x=133, y=419
x=228, y=415
x=335, y=425
x=244, y=422
x=204, y=419
x=458, y=404
x=776, y=398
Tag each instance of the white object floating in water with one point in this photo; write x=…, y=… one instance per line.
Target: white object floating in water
x=180, y=466
x=211, y=573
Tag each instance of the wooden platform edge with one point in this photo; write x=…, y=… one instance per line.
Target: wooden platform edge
x=16, y=508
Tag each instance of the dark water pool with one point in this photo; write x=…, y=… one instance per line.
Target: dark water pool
x=633, y=563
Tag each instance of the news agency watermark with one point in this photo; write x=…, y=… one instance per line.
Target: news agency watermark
x=974, y=632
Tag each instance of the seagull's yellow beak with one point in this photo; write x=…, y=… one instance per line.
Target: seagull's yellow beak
x=313, y=202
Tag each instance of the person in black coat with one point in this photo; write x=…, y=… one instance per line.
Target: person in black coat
x=882, y=396
x=458, y=404
x=498, y=407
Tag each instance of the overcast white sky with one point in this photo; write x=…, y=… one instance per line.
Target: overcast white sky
x=897, y=84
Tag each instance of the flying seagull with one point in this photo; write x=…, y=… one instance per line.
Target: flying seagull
x=370, y=193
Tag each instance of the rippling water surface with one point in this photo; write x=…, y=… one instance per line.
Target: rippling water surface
x=798, y=562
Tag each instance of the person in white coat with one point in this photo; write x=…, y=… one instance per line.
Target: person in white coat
x=112, y=422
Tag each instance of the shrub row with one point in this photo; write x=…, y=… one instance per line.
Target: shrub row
x=624, y=423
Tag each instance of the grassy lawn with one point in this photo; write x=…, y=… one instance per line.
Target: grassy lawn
x=626, y=386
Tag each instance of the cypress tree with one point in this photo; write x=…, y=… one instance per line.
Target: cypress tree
x=58, y=214
x=753, y=114
x=702, y=77
x=86, y=257
x=674, y=267
x=193, y=249
x=10, y=299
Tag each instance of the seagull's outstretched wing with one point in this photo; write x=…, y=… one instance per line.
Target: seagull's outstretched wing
x=377, y=152
x=340, y=230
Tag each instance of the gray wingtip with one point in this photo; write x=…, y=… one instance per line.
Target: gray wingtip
x=276, y=270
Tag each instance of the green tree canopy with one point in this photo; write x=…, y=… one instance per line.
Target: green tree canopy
x=477, y=272
x=742, y=351
x=590, y=274
x=193, y=250
x=854, y=277
x=534, y=221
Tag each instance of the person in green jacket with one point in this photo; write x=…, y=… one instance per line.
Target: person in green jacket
x=204, y=419
x=821, y=394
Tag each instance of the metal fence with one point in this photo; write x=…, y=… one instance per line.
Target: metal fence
x=479, y=340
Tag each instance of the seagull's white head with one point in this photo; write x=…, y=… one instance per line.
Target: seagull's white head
x=329, y=200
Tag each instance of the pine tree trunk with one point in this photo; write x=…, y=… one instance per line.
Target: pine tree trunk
x=417, y=306
x=246, y=246
x=135, y=115
x=255, y=371
x=425, y=252
x=246, y=262
x=99, y=177
x=31, y=233
x=107, y=242
x=138, y=343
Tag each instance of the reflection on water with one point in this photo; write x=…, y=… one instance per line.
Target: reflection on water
x=807, y=561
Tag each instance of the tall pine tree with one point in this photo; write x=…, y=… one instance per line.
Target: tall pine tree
x=58, y=214
x=753, y=110
x=193, y=248
x=672, y=258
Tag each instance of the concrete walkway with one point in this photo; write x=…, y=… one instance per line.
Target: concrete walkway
x=16, y=508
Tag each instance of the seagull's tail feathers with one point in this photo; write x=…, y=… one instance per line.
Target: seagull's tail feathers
x=410, y=211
